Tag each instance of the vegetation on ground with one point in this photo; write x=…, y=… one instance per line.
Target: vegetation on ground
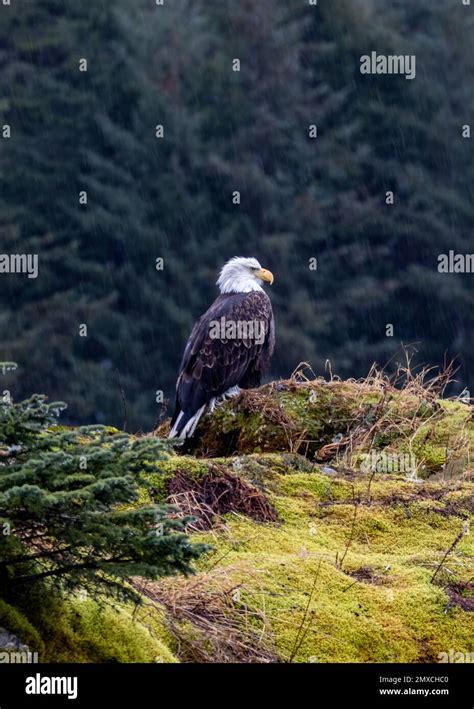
x=336, y=530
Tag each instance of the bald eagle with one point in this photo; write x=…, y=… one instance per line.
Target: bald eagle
x=230, y=346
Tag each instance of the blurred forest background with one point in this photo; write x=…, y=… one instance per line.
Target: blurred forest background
x=171, y=197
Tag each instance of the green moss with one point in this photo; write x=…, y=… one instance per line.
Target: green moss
x=397, y=615
x=79, y=629
x=447, y=438
x=317, y=485
x=17, y=623
x=88, y=632
x=186, y=464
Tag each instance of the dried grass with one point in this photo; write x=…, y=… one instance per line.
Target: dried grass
x=210, y=621
x=217, y=493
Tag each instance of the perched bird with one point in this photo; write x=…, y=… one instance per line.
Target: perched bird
x=229, y=347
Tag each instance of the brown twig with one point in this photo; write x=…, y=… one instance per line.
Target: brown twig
x=301, y=634
x=351, y=536
x=449, y=551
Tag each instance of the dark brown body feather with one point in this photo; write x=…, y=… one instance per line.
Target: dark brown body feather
x=211, y=366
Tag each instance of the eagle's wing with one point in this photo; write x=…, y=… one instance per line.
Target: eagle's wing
x=211, y=366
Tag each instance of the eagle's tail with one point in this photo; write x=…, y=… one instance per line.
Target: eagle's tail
x=185, y=424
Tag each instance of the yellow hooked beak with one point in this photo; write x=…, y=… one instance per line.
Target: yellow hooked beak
x=265, y=275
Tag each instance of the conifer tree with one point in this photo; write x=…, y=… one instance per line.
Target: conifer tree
x=68, y=506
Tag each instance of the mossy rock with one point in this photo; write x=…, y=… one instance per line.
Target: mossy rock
x=282, y=416
x=340, y=422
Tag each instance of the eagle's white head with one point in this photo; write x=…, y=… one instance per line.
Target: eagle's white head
x=243, y=275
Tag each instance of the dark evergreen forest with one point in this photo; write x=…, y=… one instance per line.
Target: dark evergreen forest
x=127, y=132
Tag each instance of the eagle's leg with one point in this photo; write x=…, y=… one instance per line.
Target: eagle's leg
x=232, y=392
x=229, y=394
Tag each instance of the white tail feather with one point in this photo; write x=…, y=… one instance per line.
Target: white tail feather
x=174, y=431
x=189, y=428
